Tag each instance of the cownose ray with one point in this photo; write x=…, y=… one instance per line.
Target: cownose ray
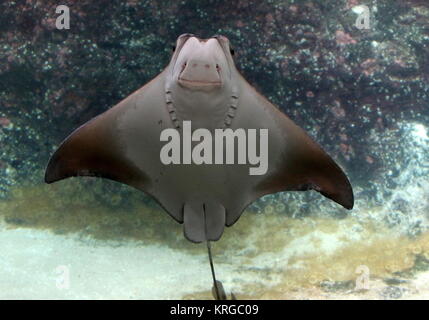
x=201, y=84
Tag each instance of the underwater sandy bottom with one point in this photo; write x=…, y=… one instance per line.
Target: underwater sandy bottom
x=292, y=259
x=37, y=264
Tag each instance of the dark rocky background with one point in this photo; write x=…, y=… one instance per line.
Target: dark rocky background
x=347, y=87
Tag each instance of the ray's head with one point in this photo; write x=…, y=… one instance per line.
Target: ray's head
x=202, y=64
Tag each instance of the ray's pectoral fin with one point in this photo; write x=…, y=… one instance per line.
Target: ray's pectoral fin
x=93, y=150
x=315, y=170
x=303, y=165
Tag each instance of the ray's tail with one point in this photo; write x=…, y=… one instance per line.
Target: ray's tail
x=217, y=290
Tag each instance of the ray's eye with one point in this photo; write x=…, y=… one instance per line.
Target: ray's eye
x=231, y=51
x=173, y=48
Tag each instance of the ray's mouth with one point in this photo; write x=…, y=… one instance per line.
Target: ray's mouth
x=200, y=75
x=199, y=83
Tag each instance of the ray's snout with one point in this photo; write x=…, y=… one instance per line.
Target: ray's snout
x=200, y=73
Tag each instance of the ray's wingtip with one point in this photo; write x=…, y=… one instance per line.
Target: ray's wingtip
x=47, y=179
x=343, y=196
x=349, y=201
x=345, y=202
x=50, y=176
x=349, y=206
